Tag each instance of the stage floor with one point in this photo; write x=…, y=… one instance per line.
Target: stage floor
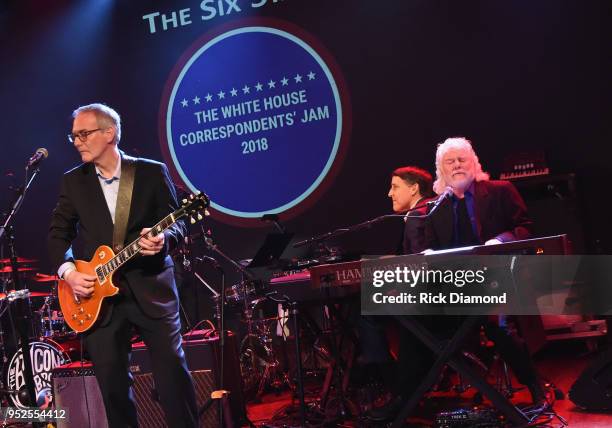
x=561, y=363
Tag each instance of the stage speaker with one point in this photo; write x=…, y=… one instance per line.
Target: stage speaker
x=593, y=389
x=76, y=390
x=150, y=413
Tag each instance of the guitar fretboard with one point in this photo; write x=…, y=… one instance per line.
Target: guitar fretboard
x=132, y=249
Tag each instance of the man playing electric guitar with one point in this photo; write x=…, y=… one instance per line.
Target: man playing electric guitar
x=112, y=200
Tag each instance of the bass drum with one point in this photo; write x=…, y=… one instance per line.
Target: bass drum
x=45, y=355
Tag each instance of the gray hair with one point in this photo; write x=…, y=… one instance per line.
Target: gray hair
x=105, y=116
x=460, y=143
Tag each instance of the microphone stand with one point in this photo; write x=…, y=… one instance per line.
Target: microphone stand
x=19, y=197
x=292, y=306
x=363, y=225
x=220, y=303
x=21, y=306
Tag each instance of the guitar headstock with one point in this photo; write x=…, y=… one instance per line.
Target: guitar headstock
x=195, y=207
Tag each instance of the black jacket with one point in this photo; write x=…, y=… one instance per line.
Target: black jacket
x=81, y=207
x=500, y=213
x=414, y=230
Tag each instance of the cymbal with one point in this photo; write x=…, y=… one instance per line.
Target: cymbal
x=9, y=269
x=19, y=260
x=41, y=277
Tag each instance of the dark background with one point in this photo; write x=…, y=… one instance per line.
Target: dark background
x=509, y=75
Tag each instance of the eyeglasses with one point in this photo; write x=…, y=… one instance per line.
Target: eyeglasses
x=82, y=135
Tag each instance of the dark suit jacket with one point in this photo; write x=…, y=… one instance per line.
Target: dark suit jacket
x=82, y=206
x=500, y=213
x=414, y=229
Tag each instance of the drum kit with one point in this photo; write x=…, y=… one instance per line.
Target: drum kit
x=259, y=363
x=51, y=341
x=258, y=353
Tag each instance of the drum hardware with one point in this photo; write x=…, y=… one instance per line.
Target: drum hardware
x=39, y=294
x=50, y=340
x=47, y=326
x=20, y=307
x=294, y=312
x=13, y=295
x=259, y=364
x=51, y=321
x=243, y=292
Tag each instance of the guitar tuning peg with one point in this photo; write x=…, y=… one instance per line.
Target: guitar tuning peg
x=192, y=220
x=206, y=212
x=191, y=197
x=200, y=216
x=184, y=201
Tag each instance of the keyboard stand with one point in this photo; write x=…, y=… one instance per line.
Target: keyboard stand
x=447, y=354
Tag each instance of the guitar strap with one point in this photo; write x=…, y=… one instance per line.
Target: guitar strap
x=124, y=201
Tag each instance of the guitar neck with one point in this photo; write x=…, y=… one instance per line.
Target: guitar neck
x=134, y=248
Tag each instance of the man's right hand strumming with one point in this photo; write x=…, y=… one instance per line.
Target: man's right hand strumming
x=82, y=284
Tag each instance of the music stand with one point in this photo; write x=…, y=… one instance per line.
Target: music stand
x=270, y=251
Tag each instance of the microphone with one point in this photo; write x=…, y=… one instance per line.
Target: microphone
x=448, y=192
x=41, y=153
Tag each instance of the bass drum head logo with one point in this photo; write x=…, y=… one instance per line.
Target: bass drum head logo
x=257, y=118
x=45, y=357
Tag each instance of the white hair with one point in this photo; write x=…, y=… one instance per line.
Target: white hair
x=105, y=117
x=459, y=143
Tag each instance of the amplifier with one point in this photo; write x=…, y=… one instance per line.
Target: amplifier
x=76, y=390
x=150, y=413
x=203, y=354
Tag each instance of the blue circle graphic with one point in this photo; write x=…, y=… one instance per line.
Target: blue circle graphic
x=254, y=119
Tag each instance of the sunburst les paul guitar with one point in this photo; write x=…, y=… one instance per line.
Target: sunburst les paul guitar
x=81, y=313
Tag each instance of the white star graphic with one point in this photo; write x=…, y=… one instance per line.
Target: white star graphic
x=221, y=95
x=234, y=92
x=271, y=84
x=285, y=81
x=259, y=86
x=311, y=76
x=196, y=100
x=184, y=103
x=246, y=89
x=298, y=78
x=208, y=98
